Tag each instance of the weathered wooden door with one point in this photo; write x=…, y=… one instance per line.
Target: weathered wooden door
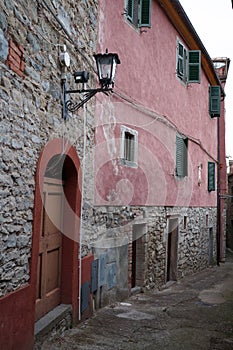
x=211, y=246
x=50, y=248
x=172, y=247
x=134, y=262
x=138, y=256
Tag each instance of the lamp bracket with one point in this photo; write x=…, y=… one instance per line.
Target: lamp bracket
x=106, y=66
x=88, y=94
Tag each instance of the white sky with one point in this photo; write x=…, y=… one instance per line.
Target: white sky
x=213, y=22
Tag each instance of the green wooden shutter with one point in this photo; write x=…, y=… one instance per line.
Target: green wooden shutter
x=194, y=66
x=145, y=13
x=211, y=176
x=185, y=157
x=181, y=156
x=214, y=101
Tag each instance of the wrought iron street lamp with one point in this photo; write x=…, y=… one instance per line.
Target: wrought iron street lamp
x=106, y=68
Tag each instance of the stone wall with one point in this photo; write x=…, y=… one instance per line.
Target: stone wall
x=194, y=225
x=31, y=35
x=112, y=227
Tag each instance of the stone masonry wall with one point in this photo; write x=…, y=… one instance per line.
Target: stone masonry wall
x=113, y=226
x=31, y=35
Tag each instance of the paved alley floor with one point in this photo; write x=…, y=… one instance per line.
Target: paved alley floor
x=195, y=313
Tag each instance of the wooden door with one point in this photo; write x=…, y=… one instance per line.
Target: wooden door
x=172, y=246
x=134, y=262
x=49, y=260
x=211, y=246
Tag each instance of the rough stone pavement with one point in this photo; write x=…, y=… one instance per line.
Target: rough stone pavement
x=195, y=313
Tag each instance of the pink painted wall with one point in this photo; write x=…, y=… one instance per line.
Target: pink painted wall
x=147, y=77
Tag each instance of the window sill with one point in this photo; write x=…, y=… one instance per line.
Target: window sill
x=128, y=163
x=179, y=178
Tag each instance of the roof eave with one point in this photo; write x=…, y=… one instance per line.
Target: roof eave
x=180, y=20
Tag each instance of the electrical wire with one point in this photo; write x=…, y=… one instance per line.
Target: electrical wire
x=162, y=119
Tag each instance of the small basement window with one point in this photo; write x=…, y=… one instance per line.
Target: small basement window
x=129, y=147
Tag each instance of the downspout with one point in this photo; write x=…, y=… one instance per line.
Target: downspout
x=219, y=237
x=222, y=73
x=218, y=232
x=82, y=200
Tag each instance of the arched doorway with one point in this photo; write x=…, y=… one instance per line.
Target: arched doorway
x=56, y=229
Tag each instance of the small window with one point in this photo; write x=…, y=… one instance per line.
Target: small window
x=211, y=176
x=139, y=12
x=188, y=64
x=207, y=220
x=185, y=222
x=181, y=156
x=129, y=147
x=214, y=101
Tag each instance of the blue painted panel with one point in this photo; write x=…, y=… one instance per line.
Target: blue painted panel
x=111, y=275
x=102, y=270
x=85, y=292
x=94, y=275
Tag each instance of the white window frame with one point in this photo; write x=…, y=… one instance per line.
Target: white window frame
x=133, y=163
x=181, y=77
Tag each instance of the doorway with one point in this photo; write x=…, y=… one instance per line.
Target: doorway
x=172, y=248
x=56, y=224
x=211, y=246
x=138, y=256
x=50, y=248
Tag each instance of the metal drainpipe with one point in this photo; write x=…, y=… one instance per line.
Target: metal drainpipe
x=81, y=212
x=63, y=88
x=218, y=195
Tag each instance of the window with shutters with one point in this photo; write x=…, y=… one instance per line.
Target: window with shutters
x=128, y=147
x=188, y=64
x=138, y=12
x=211, y=176
x=181, y=156
x=214, y=101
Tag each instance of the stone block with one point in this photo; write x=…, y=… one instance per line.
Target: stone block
x=22, y=241
x=11, y=242
x=4, y=47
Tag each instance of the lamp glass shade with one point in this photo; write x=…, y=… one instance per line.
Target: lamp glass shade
x=106, y=65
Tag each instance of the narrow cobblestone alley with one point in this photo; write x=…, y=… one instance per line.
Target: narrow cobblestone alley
x=195, y=313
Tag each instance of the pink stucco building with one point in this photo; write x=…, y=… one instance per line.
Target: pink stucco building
x=156, y=150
